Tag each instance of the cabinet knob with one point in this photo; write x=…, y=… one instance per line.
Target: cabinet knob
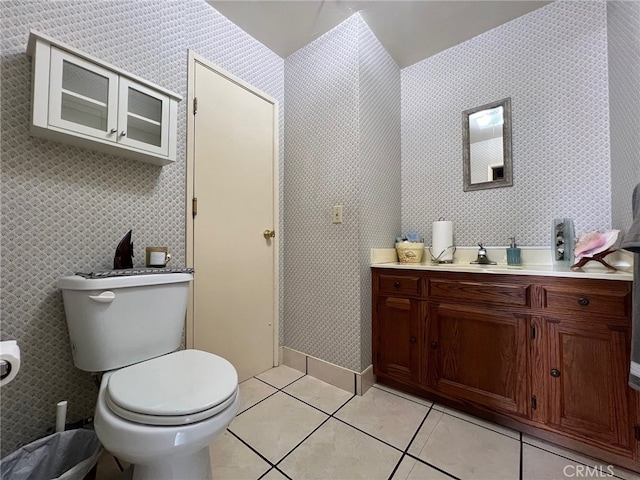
x=555, y=373
x=113, y=130
x=396, y=284
x=413, y=340
x=123, y=133
x=433, y=345
x=583, y=301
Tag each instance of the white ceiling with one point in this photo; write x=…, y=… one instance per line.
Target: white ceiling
x=410, y=30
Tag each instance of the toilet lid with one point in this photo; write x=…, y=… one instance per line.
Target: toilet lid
x=187, y=383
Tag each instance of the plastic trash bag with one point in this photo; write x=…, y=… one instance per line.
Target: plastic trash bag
x=68, y=455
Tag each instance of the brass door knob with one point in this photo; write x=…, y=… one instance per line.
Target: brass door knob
x=269, y=234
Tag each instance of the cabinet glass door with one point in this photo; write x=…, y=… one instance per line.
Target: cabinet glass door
x=83, y=96
x=143, y=118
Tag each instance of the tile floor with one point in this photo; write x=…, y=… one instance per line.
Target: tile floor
x=291, y=425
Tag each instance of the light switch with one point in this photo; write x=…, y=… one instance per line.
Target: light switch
x=337, y=214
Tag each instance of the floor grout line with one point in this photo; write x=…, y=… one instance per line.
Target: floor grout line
x=521, y=458
x=404, y=453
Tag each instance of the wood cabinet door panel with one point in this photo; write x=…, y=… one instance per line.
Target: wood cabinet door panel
x=587, y=380
x=398, y=337
x=480, y=356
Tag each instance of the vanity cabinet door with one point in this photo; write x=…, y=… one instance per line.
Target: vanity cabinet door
x=397, y=335
x=479, y=355
x=587, y=390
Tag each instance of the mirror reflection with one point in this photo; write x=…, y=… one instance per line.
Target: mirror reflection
x=486, y=138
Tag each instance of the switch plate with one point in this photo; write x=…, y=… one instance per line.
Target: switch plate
x=337, y=214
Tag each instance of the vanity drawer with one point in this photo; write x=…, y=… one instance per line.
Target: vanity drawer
x=492, y=293
x=405, y=284
x=587, y=300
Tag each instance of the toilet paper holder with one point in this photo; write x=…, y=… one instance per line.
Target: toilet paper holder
x=5, y=369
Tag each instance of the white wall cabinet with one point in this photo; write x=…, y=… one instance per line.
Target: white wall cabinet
x=83, y=101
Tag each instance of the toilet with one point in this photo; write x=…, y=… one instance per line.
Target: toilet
x=158, y=408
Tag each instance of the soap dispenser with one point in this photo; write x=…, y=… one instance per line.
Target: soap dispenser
x=513, y=253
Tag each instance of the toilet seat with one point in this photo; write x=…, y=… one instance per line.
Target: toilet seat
x=180, y=388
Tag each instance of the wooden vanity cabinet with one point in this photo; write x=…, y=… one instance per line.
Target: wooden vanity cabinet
x=548, y=354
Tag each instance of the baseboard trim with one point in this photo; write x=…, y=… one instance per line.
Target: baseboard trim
x=349, y=380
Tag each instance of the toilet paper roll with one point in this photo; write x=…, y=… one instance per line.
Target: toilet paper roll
x=10, y=353
x=442, y=240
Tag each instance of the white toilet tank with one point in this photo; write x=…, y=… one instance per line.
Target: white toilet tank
x=118, y=321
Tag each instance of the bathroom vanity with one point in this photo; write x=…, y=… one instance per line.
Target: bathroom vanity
x=546, y=353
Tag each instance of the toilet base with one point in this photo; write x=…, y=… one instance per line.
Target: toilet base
x=196, y=466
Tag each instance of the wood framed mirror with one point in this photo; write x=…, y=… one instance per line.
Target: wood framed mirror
x=486, y=146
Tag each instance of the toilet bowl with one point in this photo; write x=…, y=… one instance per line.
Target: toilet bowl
x=158, y=408
x=161, y=415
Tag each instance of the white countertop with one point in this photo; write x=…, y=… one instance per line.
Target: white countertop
x=384, y=258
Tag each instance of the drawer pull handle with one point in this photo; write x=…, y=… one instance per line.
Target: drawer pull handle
x=583, y=301
x=555, y=373
x=413, y=340
x=434, y=345
x=396, y=284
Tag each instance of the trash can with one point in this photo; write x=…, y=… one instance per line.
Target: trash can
x=68, y=455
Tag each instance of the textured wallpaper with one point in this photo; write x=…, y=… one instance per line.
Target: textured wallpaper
x=342, y=148
x=64, y=209
x=623, y=28
x=553, y=64
x=379, y=177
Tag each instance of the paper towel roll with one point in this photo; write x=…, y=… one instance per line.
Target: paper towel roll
x=10, y=353
x=442, y=240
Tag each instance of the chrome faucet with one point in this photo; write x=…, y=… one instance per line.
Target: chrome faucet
x=482, y=257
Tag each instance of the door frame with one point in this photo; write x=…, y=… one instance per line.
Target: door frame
x=194, y=58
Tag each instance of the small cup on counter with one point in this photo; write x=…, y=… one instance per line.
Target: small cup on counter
x=157, y=257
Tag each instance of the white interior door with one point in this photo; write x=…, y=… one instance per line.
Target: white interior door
x=233, y=175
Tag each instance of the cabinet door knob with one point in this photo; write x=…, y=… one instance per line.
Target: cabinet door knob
x=583, y=301
x=113, y=130
x=555, y=373
x=413, y=340
x=396, y=284
x=123, y=133
x=433, y=345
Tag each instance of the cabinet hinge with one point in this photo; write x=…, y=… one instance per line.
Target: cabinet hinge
x=194, y=206
x=636, y=432
x=195, y=105
x=533, y=332
x=534, y=402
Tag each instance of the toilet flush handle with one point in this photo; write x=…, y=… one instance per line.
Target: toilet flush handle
x=104, y=297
